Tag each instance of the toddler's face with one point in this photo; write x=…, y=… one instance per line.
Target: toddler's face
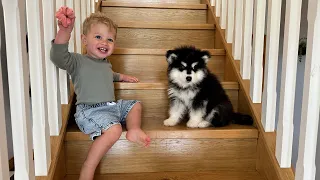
x=99, y=41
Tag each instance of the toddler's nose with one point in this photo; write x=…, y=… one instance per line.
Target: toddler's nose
x=188, y=78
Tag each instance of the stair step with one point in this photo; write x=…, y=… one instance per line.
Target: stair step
x=151, y=65
x=162, y=52
x=153, y=5
x=157, y=1
x=220, y=175
x=160, y=25
x=175, y=148
x=156, y=13
x=164, y=38
x=168, y=154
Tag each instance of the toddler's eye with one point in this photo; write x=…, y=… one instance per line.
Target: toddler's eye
x=98, y=37
x=110, y=40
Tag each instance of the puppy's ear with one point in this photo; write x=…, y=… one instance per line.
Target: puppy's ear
x=205, y=56
x=171, y=56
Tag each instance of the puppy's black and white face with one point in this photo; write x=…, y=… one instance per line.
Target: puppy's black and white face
x=187, y=66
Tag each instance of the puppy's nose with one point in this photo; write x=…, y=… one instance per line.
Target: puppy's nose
x=188, y=78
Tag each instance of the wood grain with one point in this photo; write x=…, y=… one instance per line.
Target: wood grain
x=161, y=25
x=180, y=131
x=153, y=68
x=153, y=5
x=61, y=170
x=155, y=15
x=158, y=1
x=163, y=38
x=213, y=175
x=162, y=52
x=168, y=155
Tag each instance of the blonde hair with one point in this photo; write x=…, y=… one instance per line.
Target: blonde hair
x=96, y=18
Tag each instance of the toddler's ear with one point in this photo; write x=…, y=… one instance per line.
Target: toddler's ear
x=205, y=56
x=84, y=39
x=171, y=56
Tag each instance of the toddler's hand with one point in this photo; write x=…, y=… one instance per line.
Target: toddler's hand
x=127, y=78
x=65, y=16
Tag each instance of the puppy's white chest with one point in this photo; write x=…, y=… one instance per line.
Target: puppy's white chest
x=185, y=96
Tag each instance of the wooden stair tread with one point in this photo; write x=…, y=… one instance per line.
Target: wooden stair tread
x=162, y=52
x=221, y=175
x=154, y=5
x=160, y=25
x=161, y=85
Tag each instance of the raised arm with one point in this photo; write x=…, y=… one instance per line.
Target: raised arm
x=66, y=19
x=60, y=55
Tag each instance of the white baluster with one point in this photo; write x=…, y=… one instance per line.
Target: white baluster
x=4, y=167
x=245, y=63
x=218, y=8
x=288, y=83
x=230, y=21
x=257, y=53
x=93, y=6
x=63, y=76
x=223, y=18
x=77, y=25
x=88, y=8
x=83, y=11
x=306, y=168
x=271, y=66
x=212, y=2
x=18, y=76
x=52, y=72
x=71, y=46
x=237, y=40
x=41, y=133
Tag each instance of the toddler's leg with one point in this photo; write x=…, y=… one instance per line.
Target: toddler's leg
x=98, y=149
x=135, y=133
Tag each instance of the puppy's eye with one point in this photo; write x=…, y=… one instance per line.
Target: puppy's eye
x=195, y=67
x=182, y=67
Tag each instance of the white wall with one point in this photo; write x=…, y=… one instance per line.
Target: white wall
x=3, y=60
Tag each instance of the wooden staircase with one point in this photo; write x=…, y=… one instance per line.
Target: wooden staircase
x=146, y=31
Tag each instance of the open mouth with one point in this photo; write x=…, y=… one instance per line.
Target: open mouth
x=103, y=50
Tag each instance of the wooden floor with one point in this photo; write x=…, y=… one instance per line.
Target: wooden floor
x=219, y=175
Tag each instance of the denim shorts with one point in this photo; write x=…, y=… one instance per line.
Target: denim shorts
x=93, y=119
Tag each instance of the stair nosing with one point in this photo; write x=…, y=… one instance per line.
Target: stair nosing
x=162, y=52
x=155, y=5
x=161, y=25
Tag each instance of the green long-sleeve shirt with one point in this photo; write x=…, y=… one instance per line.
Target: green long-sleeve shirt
x=92, y=78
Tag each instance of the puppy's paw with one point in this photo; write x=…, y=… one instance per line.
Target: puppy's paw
x=192, y=124
x=204, y=124
x=170, y=122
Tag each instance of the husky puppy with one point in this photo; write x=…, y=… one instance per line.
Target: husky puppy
x=195, y=92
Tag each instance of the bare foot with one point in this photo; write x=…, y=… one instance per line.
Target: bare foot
x=138, y=136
